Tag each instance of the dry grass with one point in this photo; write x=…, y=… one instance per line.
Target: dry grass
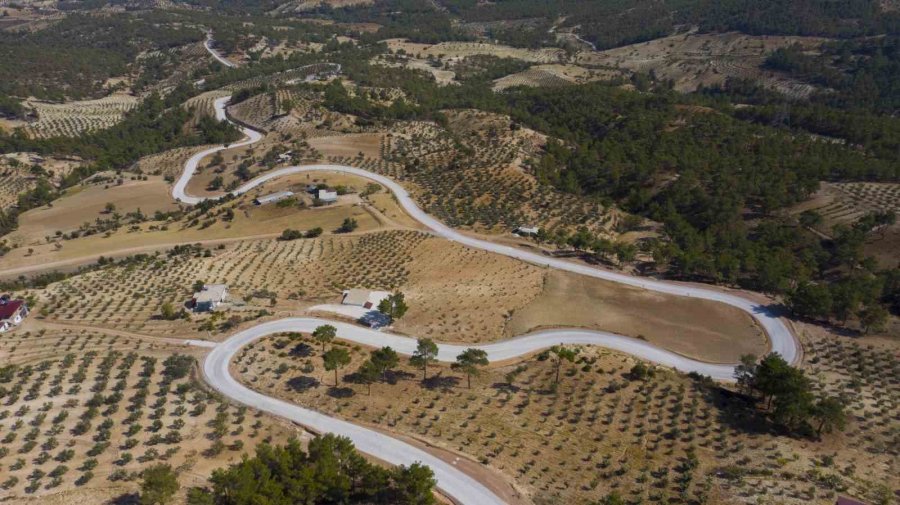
x=248, y=222
x=292, y=274
x=86, y=202
x=455, y=294
x=696, y=328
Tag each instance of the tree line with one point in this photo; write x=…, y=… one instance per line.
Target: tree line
x=788, y=395
x=328, y=471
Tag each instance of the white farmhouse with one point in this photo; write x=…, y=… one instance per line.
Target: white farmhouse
x=210, y=297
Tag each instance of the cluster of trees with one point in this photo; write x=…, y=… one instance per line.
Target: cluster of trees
x=416, y=20
x=483, y=67
x=292, y=234
x=348, y=225
x=329, y=471
x=382, y=361
x=788, y=395
x=611, y=23
x=860, y=73
x=74, y=56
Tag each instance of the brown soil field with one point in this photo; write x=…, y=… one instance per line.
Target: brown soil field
x=700, y=329
x=696, y=59
x=599, y=430
x=369, y=144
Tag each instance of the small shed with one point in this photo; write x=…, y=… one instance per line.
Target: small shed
x=358, y=297
x=274, y=197
x=210, y=297
x=364, y=298
x=326, y=196
x=527, y=230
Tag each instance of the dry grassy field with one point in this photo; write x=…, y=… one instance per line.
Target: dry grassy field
x=84, y=412
x=71, y=119
x=700, y=329
x=87, y=202
x=664, y=440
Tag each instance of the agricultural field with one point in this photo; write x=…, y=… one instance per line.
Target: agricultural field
x=103, y=378
x=455, y=294
x=458, y=50
x=845, y=203
x=84, y=412
x=660, y=439
x=554, y=75
x=306, y=118
x=120, y=233
x=492, y=191
x=71, y=119
x=692, y=60
x=203, y=104
x=21, y=172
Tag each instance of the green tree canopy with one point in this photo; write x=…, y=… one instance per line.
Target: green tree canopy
x=562, y=353
x=470, y=362
x=394, y=306
x=159, y=485
x=335, y=359
x=331, y=471
x=324, y=334
x=384, y=359
x=426, y=352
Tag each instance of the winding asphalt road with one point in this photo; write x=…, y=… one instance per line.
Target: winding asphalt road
x=215, y=54
x=451, y=481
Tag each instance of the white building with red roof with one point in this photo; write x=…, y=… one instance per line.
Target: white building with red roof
x=12, y=312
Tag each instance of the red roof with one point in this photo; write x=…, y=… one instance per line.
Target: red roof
x=8, y=309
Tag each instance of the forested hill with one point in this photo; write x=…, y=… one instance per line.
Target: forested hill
x=611, y=23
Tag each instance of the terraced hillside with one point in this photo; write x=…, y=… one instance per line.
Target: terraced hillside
x=71, y=119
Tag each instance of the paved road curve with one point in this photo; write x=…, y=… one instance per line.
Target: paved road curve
x=450, y=480
x=215, y=54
